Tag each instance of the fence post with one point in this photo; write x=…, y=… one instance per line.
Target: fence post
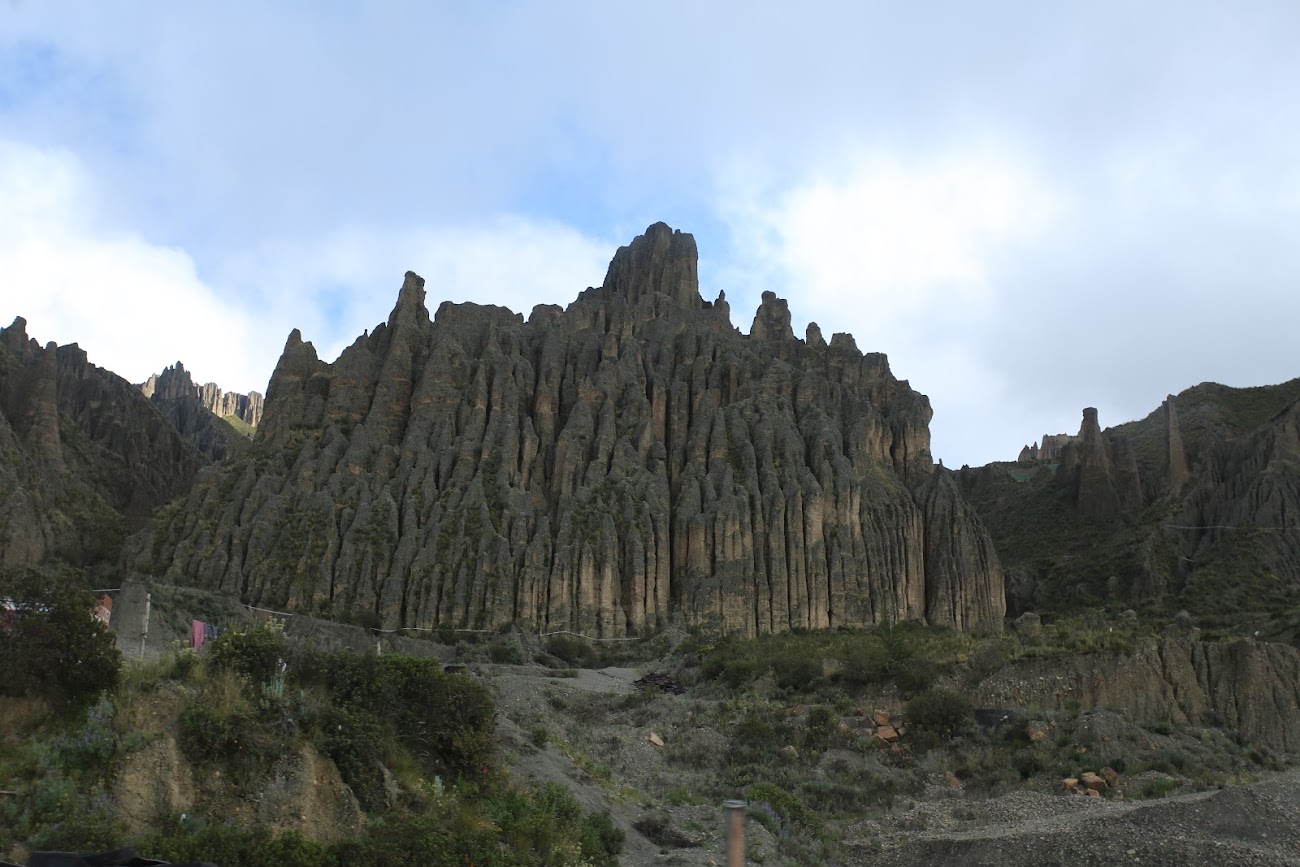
x=735, y=833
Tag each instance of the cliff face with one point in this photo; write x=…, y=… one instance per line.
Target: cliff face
x=83, y=456
x=174, y=394
x=174, y=384
x=607, y=468
x=1249, y=687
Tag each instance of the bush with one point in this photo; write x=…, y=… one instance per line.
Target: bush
x=822, y=725
x=54, y=647
x=914, y=675
x=506, y=654
x=573, y=650
x=232, y=845
x=255, y=654
x=445, y=721
x=938, y=713
x=785, y=805
x=600, y=839
x=67, y=818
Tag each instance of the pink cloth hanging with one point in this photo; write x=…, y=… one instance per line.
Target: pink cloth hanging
x=196, y=634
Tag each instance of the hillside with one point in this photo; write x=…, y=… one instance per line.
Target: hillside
x=1193, y=507
x=84, y=457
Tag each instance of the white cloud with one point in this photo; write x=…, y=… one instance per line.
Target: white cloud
x=133, y=306
x=136, y=306
x=905, y=255
x=350, y=278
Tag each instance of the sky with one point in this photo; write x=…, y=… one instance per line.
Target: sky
x=1030, y=207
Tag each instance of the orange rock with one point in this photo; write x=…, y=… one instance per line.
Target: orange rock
x=1111, y=776
x=655, y=739
x=880, y=718
x=1069, y=784
x=887, y=733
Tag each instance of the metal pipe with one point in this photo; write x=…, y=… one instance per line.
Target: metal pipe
x=735, y=833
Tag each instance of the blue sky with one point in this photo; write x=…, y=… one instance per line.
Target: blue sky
x=1030, y=207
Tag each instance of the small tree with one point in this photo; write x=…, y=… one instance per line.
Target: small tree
x=50, y=642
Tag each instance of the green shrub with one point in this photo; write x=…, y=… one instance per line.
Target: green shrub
x=506, y=654
x=55, y=647
x=786, y=805
x=232, y=845
x=757, y=739
x=939, y=713
x=354, y=741
x=822, y=725
x=600, y=839
x=573, y=650
x=446, y=721
x=66, y=817
x=866, y=661
x=1158, y=788
x=89, y=753
x=255, y=654
x=914, y=675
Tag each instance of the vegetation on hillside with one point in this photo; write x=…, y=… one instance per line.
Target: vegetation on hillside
x=415, y=745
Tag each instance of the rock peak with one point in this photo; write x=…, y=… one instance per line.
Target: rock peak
x=412, y=291
x=661, y=261
x=772, y=319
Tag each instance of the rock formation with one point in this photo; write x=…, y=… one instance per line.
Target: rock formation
x=1249, y=687
x=83, y=456
x=1104, y=473
x=1191, y=507
x=626, y=462
x=229, y=404
x=177, y=397
x=1048, y=452
x=188, y=409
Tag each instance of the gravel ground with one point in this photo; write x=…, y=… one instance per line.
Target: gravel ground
x=1254, y=824
x=1249, y=824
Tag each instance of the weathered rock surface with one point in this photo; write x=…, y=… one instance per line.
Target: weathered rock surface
x=198, y=413
x=607, y=468
x=83, y=456
x=1245, y=686
x=1095, y=479
x=175, y=384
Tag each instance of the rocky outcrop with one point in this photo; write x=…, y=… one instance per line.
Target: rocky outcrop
x=1249, y=687
x=229, y=404
x=1104, y=474
x=203, y=415
x=610, y=467
x=83, y=456
x=174, y=395
x=962, y=572
x=175, y=385
x=1048, y=452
